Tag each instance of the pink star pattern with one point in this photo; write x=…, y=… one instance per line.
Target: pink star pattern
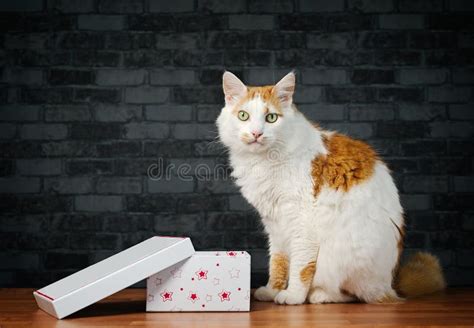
x=203, y=283
x=224, y=295
x=234, y=273
x=167, y=296
x=193, y=297
x=201, y=274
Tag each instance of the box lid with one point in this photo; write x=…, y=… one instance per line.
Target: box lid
x=115, y=273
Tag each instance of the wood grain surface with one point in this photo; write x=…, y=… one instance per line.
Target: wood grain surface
x=455, y=307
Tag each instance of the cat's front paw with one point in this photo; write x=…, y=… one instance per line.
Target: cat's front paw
x=265, y=294
x=290, y=297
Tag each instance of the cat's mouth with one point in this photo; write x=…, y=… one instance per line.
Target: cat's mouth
x=255, y=142
x=252, y=141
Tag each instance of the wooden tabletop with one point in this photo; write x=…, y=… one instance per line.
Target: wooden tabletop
x=455, y=307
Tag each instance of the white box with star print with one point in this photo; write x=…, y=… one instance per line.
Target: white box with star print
x=207, y=281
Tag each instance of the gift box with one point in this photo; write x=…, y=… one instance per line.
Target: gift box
x=117, y=272
x=207, y=281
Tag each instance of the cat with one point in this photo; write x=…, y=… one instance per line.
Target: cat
x=328, y=203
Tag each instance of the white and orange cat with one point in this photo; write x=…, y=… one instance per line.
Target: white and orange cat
x=328, y=204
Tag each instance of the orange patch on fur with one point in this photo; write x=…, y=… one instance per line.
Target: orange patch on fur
x=307, y=274
x=279, y=271
x=266, y=93
x=348, y=163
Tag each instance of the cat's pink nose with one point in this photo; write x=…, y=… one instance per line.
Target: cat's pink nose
x=257, y=134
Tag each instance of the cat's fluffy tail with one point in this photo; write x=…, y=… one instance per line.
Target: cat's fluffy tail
x=421, y=274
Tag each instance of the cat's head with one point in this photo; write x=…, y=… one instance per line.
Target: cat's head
x=255, y=119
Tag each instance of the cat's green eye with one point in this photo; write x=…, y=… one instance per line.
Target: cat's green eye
x=243, y=115
x=271, y=118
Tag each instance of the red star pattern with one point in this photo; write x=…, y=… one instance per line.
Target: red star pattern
x=203, y=292
x=224, y=295
x=167, y=296
x=193, y=297
x=201, y=274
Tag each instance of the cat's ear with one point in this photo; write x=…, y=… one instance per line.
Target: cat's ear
x=234, y=89
x=285, y=88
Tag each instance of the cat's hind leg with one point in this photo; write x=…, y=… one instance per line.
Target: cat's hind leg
x=384, y=296
x=317, y=295
x=374, y=290
x=328, y=282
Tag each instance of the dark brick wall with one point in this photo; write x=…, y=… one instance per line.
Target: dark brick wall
x=94, y=92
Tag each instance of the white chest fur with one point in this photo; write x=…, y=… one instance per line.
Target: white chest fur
x=278, y=183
